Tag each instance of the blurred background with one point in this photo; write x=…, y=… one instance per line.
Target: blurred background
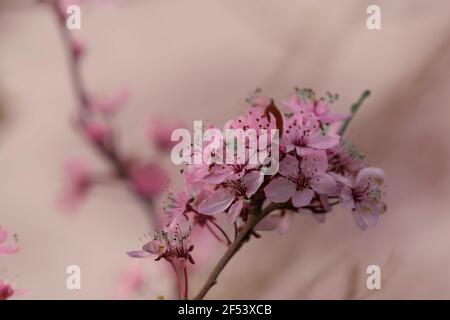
x=200, y=59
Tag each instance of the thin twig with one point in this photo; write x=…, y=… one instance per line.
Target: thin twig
x=242, y=237
x=354, y=108
x=110, y=153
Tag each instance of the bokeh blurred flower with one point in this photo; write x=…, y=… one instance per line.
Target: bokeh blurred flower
x=78, y=182
x=6, y=290
x=148, y=180
x=160, y=132
x=6, y=249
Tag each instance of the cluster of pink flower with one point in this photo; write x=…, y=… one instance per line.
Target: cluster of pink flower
x=6, y=289
x=317, y=170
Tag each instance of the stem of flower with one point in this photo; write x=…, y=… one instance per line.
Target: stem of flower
x=242, y=237
x=186, y=284
x=111, y=153
x=227, y=239
x=354, y=108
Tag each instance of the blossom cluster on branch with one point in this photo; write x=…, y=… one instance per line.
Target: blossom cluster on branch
x=318, y=169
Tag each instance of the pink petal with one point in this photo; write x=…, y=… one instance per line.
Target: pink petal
x=5, y=249
x=218, y=202
x=333, y=117
x=319, y=217
x=302, y=198
x=138, y=254
x=365, y=217
x=279, y=190
x=154, y=247
x=374, y=174
x=285, y=223
x=346, y=198
x=252, y=182
x=289, y=166
x=320, y=141
x=314, y=162
x=323, y=184
x=269, y=223
x=235, y=210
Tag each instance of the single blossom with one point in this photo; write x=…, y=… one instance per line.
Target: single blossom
x=363, y=197
x=171, y=245
x=300, y=181
x=6, y=249
x=231, y=195
x=319, y=108
x=303, y=132
x=345, y=159
x=177, y=206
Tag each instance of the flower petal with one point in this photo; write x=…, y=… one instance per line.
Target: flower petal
x=346, y=198
x=285, y=223
x=289, y=166
x=279, y=190
x=235, y=210
x=138, y=254
x=323, y=184
x=370, y=174
x=218, y=202
x=320, y=141
x=302, y=198
x=154, y=247
x=5, y=249
x=269, y=223
x=252, y=182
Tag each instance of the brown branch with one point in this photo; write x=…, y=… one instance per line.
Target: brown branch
x=108, y=152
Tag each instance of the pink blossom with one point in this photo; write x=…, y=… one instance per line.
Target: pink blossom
x=79, y=181
x=6, y=249
x=256, y=119
x=231, y=195
x=301, y=181
x=318, y=108
x=97, y=132
x=149, y=180
x=177, y=206
x=6, y=290
x=345, y=159
x=363, y=197
x=280, y=222
x=303, y=133
x=171, y=245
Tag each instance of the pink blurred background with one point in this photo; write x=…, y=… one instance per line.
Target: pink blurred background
x=198, y=60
